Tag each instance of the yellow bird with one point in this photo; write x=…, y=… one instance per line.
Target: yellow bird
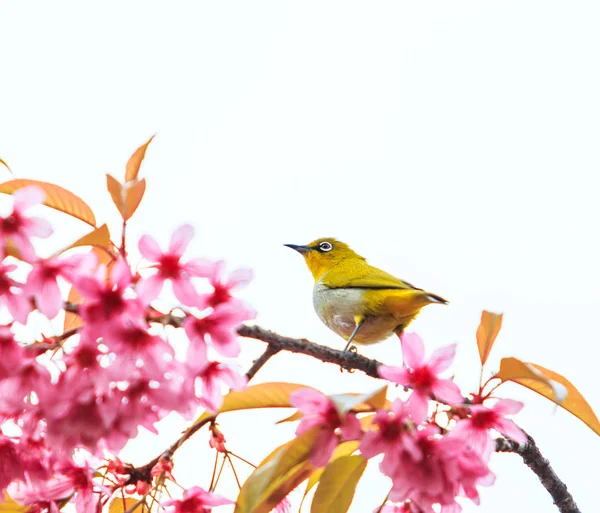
x=357, y=301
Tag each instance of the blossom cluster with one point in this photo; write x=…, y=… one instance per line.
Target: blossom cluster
x=70, y=399
x=430, y=465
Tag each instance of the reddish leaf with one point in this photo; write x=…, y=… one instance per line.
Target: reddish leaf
x=56, y=197
x=551, y=385
x=488, y=330
x=135, y=161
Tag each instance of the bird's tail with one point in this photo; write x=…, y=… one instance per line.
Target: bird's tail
x=434, y=298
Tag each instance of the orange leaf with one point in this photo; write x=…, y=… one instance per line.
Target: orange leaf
x=487, y=332
x=551, y=385
x=6, y=166
x=120, y=505
x=56, y=197
x=100, y=237
x=135, y=161
x=10, y=506
x=134, y=192
x=117, y=193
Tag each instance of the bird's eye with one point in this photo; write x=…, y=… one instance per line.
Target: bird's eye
x=325, y=246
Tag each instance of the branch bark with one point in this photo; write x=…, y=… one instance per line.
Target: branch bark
x=532, y=457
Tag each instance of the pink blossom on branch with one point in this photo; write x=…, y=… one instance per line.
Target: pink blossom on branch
x=12, y=354
x=19, y=228
x=169, y=266
x=218, y=328
x=195, y=500
x=476, y=429
x=319, y=411
x=223, y=287
x=422, y=375
x=212, y=378
x=42, y=281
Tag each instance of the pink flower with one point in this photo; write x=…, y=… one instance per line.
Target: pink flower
x=422, y=376
x=33, y=497
x=17, y=303
x=11, y=353
x=405, y=507
x=31, y=377
x=42, y=281
x=392, y=438
x=76, y=479
x=283, y=507
x=11, y=465
x=447, y=467
x=163, y=467
x=320, y=412
x=105, y=299
x=475, y=429
x=170, y=267
x=18, y=227
x=196, y=500
x=218, y=328
x=132, y=343
x=213, y=376
x=223, y=287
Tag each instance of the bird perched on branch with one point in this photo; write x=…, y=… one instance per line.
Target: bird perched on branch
x=357, y=301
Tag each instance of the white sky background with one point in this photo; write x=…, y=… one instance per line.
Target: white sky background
x=452, y=143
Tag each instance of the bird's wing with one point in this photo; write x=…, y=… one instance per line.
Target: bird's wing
x=364, y=276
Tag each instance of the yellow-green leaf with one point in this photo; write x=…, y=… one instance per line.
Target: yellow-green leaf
x=344, y=449
x=134, y=192
x=360, y=402
x=290, y=459
x=551, y=385
x=488, y=330
x=338, y=484
x=120, y=505
x=100, y=237
x=56, y=198
x=10, y=506
x=6, y=166
x=135, y=161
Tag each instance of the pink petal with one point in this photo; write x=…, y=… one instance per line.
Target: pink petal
x=417, y=406
x=199, y=267
x=507, y=407
x=181, y=239
x=442, y=358
x=446, y=391
x=324, y=446
x=148, y=289
x=197, y=354
x=19, y=307
x=372, y=444
x=211, y=394
x=225, y=343
x=510, y=430
x=24, y=246
x=185, y=292
x=352, y=429
x=38, y=227
x=395, y=374
x=309, y=401
x=233, y=379
x=413, y=350
x=149, y=248
x=240, y=278
x=28, y=197
x=49, y=300
x=120, y=274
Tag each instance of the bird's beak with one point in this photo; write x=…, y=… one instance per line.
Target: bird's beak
x=299, y=249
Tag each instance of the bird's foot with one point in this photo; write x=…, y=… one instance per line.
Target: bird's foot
x=353, y=350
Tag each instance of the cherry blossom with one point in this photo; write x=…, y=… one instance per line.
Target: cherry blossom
x=11, y=465
x=223, y=287
x=213, y=377
x=422, y=376
x=19, y=228
x=195, y=500
x=320, y=412
x=12, y=353
x=218, y=328
x=476, y=429
x=42, y=281
x=170, y=267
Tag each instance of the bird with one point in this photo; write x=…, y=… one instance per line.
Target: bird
x=359, y=302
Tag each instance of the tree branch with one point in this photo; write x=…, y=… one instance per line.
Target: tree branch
x=530, y=453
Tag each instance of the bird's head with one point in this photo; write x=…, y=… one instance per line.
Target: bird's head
x=322, y=254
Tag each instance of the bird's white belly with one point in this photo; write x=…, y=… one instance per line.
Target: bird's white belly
x=338, y=309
